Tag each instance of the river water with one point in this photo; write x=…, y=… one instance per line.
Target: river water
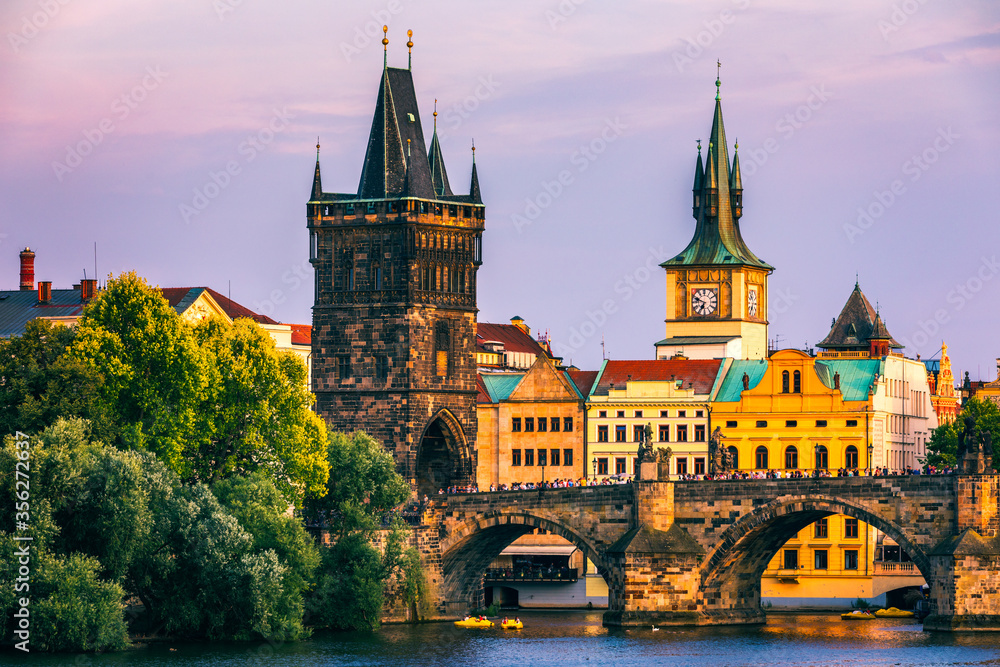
x=577, y=638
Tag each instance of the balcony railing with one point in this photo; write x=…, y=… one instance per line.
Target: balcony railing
x=533, y=575
x=906, y=569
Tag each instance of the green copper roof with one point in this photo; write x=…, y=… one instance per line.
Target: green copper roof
x=717, y=239
x=501, y=385
x=732, y=383
x=856, y=376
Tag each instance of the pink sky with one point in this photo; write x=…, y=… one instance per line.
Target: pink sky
x=162, y=95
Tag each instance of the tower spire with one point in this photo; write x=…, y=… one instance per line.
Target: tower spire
x=736, y=184
x=474, y=194
x=317, y=189
x=718, y=79
x=409, y=49
x=439, y=175
x=699, y=183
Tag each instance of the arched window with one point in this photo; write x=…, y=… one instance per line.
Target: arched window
x=736, y=456
x=791, y=458
x=761, y=458
x=851, y=457
x=822, y=458
x=784, y=382
x=797, y=383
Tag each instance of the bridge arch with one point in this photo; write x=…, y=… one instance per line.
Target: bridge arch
x=443, y=456
x=732, y=571
x=469, y=549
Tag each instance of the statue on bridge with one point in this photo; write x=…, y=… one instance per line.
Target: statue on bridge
x=975, y=448
x=720, y=459
x=645, y=452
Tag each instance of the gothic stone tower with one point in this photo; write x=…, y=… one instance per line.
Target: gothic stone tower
x=394, y=319
x=716, y=287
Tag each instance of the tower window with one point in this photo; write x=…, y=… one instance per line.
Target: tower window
x=442, y=347
x=344, y=366
x=382, y=367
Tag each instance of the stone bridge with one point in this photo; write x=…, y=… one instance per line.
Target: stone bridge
x=692, y=553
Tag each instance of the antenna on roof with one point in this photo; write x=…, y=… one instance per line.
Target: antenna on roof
x=604, y=355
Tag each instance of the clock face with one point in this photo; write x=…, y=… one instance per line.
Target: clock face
x=704, y=301
x=752, y=303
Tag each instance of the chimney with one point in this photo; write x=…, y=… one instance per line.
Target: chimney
x=88, y=289
x=44, y=291
x=27, y=270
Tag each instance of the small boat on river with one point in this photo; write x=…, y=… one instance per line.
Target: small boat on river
x=478, y=622
x=858, y=615
x=892, y=612
x=512, y=625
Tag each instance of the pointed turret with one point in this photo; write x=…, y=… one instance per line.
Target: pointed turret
x=857, y=328
x=439, y=175
x=711, y=184
x=474, y=193
x=317, y=191
x=699, y=184
x=736, y=184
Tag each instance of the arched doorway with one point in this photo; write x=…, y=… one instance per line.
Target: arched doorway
x=442, y=457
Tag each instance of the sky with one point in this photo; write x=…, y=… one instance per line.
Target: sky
x=179, y=137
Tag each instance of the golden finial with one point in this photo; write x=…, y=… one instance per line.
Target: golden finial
x=317, y=147
x=473, y=151
x=385, y=46
x=435, y=114
x=407, y=148
x=409, y=46
x=718, y=78
x=699, y=145
x=736, y=146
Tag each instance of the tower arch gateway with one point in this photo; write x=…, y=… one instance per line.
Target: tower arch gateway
x=394, y=331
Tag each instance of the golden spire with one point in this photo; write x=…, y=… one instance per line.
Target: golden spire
x=409, y=48
x=385, y=46
x=474, y=152
x=435, y=115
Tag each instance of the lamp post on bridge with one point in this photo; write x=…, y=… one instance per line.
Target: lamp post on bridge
x=594, y=463
x=871, y=468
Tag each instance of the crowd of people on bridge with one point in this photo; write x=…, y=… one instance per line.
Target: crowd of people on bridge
x=533, y=486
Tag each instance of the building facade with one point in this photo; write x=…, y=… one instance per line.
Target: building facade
x=394, y=316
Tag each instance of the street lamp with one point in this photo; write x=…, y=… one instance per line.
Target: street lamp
x=816, y=461
x=594, y=463
x=871, y=468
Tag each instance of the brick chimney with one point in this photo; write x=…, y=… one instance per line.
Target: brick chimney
x=44, y=291
x=88, y=289
x=27, y=270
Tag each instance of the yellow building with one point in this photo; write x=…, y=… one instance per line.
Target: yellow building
x=531, y=425
x=670, y=395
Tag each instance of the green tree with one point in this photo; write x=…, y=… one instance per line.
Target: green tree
x=40, y=383
x=362, y=490
x=942, y=448
x=256, y=412
x=153, y=371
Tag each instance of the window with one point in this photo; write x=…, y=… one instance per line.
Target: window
x=820, y=529
x=664, y=433
x=568, y=424
x=529, y=424
x=850, y=559
x=761, y=456
x=731, y=424
x=543, y=424
x=850, y=528
x=515, y=424
x=852, y=422
x=620, y=433
x=554, y=424
x=821, y=423
x=602, y=466
x=620, y=465
x=344, y=366
x=797, y=382
x=602, y=433
x=699, y=413
x=529, y=457
x=620, y=414
x=819, y=559
x=638, y=414
x=554, y=457
x=699, y=466
x=784, y=382
x=791, y=560
x=699, y=433
x=761, y=423
x=682, y=433
x=736, y=456
x=682, y=466
x=567, y=457
x=638, y=431
x=515, y=457
x=602, y=414
x=791, y=423
x=791, y=457
x=851, y=456
x=664, y=413
x=682, y=413
x=543, y=457
x=382, y=367
x=822, y=457
x=442, y=347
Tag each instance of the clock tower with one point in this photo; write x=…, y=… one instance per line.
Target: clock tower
x=716, y=287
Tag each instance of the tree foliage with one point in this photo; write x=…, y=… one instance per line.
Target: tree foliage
x=942, y=448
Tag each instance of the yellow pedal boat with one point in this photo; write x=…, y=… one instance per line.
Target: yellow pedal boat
x=512, y=625
x=858, y=615
x=474, y=623
x=892, y=612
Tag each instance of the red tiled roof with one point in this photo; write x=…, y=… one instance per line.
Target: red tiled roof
x=513, y=339
x=301, y=334
x=701, y=372
x=583, y=380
